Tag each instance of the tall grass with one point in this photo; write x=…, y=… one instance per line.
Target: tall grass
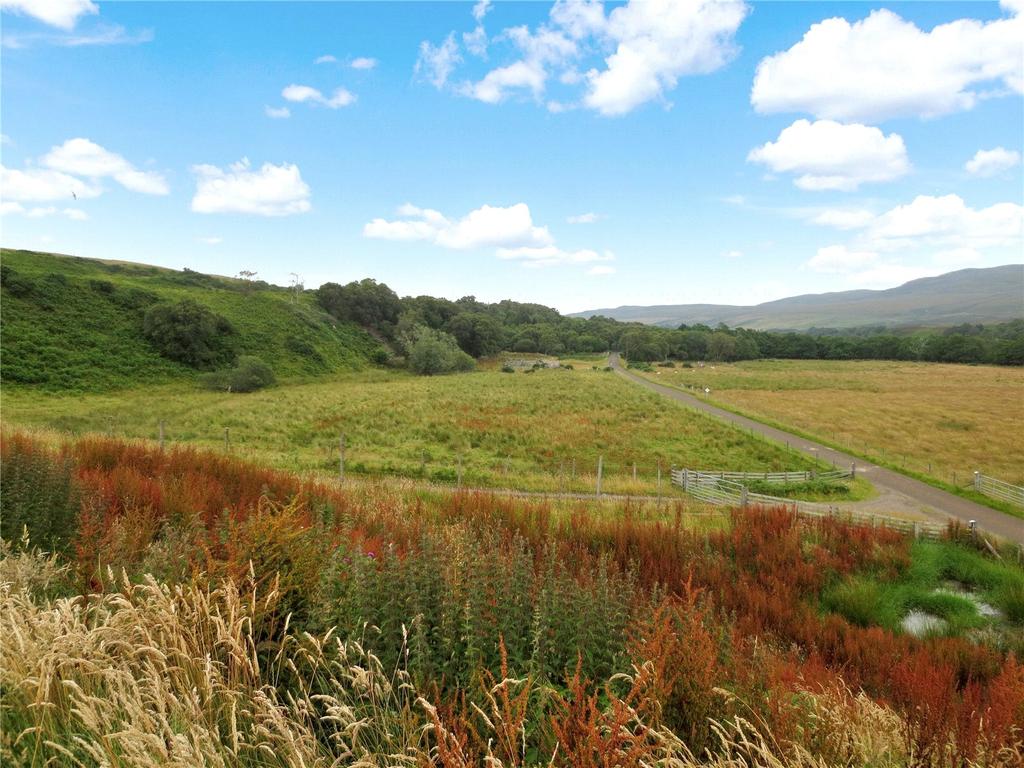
x=294, y=623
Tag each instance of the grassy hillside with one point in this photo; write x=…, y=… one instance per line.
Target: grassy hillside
x=73, y=324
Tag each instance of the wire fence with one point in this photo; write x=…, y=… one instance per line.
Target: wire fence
x=999, y=489
x=713, y=489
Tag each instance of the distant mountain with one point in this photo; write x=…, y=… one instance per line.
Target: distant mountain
x=995, y=294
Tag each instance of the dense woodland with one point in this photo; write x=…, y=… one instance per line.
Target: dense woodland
x=485, y=329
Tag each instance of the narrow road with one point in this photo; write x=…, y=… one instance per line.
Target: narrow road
x=936, y=503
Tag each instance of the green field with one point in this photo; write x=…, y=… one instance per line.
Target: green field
x=511, y=430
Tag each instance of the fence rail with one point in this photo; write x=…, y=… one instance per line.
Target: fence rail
x=999, y=489
x=712, y=489
x=778, y=478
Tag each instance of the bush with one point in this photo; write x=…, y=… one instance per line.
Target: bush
x=506, y=368
x=432, y=352
x=38, y=493
x=189, y=333
x=250, y=374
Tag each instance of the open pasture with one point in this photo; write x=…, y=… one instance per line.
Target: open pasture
x=543, y=430
x=931, y=418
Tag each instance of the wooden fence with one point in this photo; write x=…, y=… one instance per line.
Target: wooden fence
x=776, y=478
x=712, y=489
x=999, y=489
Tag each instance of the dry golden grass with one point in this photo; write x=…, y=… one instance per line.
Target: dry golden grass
x=937, y=419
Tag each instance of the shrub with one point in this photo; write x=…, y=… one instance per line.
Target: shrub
x=506, y=368
x=432, y=352
x=189, y=333
x=38, y=493
x=250, y=374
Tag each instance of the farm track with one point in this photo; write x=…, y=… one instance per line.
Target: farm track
x=899, y=493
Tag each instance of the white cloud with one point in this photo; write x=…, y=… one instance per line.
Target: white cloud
x=990, y=162
x=551, y=255
x=326, y=59
x=883, y=67
x=273, y=190
x=844, y=218
x=63, y=14
x=654, y=42
x=829, y=155
x=42, y=185
x=601, y=269
x=584, y=218
x=487, y=226
x=481, y=9
x=436, y=63
x=278, y=113
x=38, y=212
x=838, y=259
x=510, y=230
x=947, y=221
x=363, y=62
x=892, y=274
x=305, y=93
x=659, y=41
x=83, y=157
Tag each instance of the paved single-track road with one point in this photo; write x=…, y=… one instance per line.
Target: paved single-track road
x=934, y=502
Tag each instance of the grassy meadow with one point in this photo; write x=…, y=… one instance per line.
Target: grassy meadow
x=520, y=430
x=931, y=418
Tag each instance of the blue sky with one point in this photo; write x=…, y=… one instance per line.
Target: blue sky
x=579, y=155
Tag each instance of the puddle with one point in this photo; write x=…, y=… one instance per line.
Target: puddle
x=961, y=590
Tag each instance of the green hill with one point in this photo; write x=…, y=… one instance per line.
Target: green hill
x=74, y=324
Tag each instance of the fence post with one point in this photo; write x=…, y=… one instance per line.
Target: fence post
x=634, y=471
x=686, y=480
x=917, y=530
x=600, y=469
x=853, y=471
x=743, y=497
x=161, y=434
x=977, y=481
x=341, y=458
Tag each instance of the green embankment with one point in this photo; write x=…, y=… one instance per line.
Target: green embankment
x=75, y=325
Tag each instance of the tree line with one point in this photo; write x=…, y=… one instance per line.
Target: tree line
x=479, y=329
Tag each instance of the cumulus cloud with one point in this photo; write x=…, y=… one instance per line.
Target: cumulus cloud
x=657, y=42
x=363, y=62
x=43, y=185
x=830, y=155
x=83, y=157
x=278, y=113
x=653, y=43
x=948, y=221
x=991, y=162
x=327, y=58
x=273, y=190
x=487, y=226
x=510, y=230
x=436, y=62
x=481, y=9
x=883, y=67
x=63, y=14
x=300, y=94
x=584, y=218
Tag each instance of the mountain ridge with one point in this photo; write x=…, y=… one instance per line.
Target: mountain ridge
x=973, y=295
